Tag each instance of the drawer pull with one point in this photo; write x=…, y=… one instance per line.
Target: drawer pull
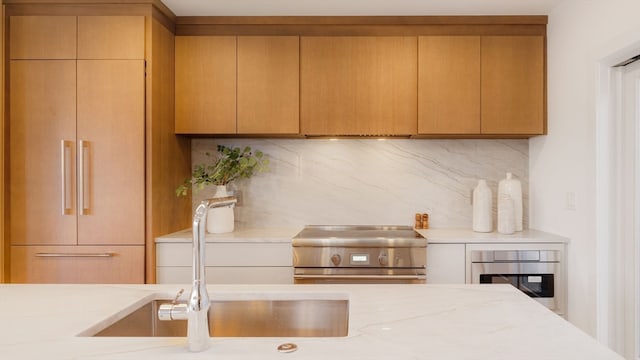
x=80, y=255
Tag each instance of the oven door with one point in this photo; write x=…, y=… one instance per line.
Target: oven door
x=358, y=276
x=536, y=279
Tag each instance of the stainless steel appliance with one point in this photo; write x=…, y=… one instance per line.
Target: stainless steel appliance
x=537, y=273
x=359, y=255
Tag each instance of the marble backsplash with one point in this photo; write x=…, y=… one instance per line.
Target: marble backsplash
x=369, y=181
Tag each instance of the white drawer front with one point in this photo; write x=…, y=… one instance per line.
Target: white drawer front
x=226, y=254
x=227, y=275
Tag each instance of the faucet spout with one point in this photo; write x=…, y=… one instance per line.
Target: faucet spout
x=196, y=312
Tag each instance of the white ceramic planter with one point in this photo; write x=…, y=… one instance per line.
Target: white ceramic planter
x=220, y=220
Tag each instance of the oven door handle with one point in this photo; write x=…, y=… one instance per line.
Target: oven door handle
x=363, y=277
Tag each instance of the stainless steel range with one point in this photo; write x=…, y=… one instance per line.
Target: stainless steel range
x=359, y=254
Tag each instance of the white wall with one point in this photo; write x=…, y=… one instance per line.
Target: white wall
x=353, y=181
x=580, y=34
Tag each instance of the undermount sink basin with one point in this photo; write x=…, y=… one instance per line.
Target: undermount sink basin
x=244, y=318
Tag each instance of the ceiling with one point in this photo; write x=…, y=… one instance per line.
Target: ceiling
x=359, y=7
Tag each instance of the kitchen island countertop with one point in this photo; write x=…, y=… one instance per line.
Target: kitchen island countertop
x=386, y=322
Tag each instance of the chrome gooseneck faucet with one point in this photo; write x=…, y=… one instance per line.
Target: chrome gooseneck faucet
x=196, y=310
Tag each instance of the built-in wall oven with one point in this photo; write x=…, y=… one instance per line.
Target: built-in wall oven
x=536, y=272
x=359, y=255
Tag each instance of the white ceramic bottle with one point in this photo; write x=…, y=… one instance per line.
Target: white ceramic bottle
x=482, y=202
x=506, y=215
x=512, y=187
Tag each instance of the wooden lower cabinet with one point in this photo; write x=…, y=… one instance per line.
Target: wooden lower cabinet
x=77, y=264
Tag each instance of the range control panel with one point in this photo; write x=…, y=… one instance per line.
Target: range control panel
x=340, y=257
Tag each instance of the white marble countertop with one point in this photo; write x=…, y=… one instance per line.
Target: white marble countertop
x=238, y=235
x=385, y=322
x=468, y=236
x=434, y=236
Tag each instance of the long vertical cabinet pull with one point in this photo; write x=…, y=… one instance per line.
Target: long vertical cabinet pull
x=65, y=160
x=84, y=191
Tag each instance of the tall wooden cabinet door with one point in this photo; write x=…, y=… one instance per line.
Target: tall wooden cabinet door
x=42, y=37
x=513, y=80
x=111, y=37
x=205, y=85
x=111, y=176
x=449, y=85
x=358, y=85
x=268, y=84
x=42, y=131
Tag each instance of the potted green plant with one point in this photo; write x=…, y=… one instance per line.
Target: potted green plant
x=231, y=163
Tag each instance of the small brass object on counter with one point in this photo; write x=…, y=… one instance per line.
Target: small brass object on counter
x=425, y=221
x=418, y=221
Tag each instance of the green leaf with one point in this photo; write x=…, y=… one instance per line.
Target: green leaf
x=232, y=163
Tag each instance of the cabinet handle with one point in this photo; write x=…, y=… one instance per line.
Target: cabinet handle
x=83, y=178
x=65, y=161
x=80, y=255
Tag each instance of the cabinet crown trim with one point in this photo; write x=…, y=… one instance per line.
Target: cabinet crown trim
x=363, y=20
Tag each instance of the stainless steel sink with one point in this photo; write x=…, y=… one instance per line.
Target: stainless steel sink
x=244, y=318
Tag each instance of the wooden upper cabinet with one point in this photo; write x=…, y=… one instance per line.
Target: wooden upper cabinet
x=268, y=85
x=449, y=85
x=513, y=80
x=358, y=85
x=42, y=37
x=205, y=85
x=111, y=37
x=94, y=37
x=361, y=85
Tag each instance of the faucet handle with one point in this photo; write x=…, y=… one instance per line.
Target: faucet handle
x=173, y=311
x=175, y=300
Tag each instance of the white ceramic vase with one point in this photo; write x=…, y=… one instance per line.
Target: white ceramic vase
x=506, y=215
x=512, y=188
x=482, y=202
x=220, y=220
